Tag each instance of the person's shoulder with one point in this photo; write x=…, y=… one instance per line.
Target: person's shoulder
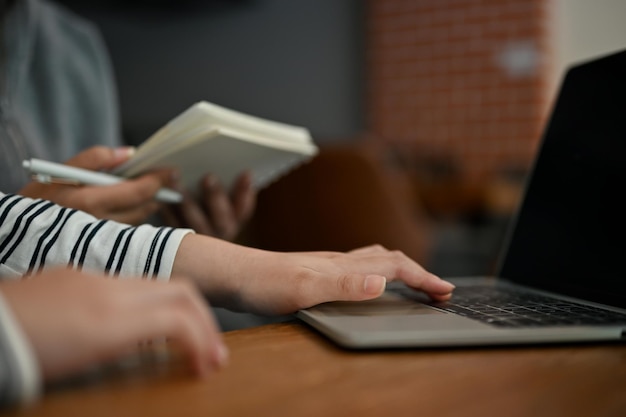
x=58, y=20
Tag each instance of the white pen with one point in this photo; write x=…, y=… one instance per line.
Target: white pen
x=48, y=172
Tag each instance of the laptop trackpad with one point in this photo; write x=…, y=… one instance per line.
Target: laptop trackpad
x=385, y=305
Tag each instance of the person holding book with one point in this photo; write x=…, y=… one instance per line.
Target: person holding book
x=133, y=201
x=58, y=97
x=56, y=322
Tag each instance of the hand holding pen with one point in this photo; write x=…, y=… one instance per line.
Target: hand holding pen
x=47, y=172
x=128, y=201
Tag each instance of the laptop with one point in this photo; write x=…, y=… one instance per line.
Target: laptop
x=562, y=275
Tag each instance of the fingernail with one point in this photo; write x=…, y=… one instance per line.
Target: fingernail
x=374, y=284
x=123, y=152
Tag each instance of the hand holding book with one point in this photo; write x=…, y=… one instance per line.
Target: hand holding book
x=207, y=138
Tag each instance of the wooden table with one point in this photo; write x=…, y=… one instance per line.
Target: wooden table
x=289, y=370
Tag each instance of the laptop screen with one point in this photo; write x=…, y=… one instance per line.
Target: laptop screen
x=570, y=232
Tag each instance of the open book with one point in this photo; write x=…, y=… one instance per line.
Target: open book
x=207, y=138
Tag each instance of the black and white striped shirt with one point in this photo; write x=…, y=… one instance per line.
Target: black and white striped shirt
x=37, y=234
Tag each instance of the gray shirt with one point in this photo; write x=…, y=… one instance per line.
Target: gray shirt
x=57, y=92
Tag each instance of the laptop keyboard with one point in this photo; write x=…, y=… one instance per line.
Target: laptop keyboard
x=504, y=307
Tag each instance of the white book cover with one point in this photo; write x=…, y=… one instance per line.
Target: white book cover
x=207, y=138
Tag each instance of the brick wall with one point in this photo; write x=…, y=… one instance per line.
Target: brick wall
x=464, y=80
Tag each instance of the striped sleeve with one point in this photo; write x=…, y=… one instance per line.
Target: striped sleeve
x=35, y=234
x=20, y=380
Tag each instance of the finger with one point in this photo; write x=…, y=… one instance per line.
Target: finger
x=395, y=265
x=361, y=287
x=243, y=197
x=366, y=250
x=344, y=287
x=353, y=287
x=218, y=207
x=413, y=275
x=376, y=248
x=119, y=197
x=168, y=177
x=170, y=217
x=195, y=329
x=175, y=310
x=101, y=157
x=208, y=333
x=192, y=215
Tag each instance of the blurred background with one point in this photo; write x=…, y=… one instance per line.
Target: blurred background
x=427, y=112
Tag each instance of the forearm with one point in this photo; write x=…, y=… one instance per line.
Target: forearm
x=218, y=267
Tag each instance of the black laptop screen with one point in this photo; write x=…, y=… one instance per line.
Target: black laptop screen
x=570, y=232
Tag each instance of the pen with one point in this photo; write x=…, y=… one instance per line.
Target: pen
x=47, y=172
